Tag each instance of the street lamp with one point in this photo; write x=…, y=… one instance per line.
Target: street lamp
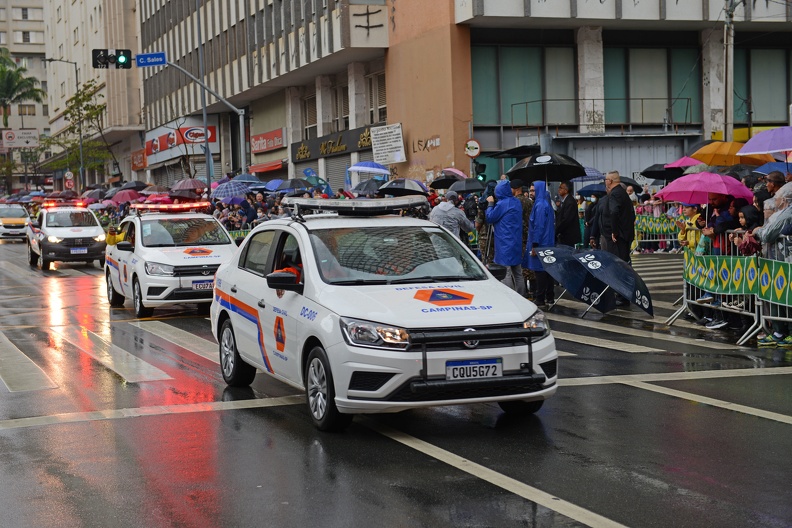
x=81, y=177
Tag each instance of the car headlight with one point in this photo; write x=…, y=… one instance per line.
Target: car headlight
x=374, y=335
x=100, y=238
x=155, y=268
x=53, y=239
x=538, y=321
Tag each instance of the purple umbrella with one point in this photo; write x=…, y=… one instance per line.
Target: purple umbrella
x=232, y=200
x=231, y=188
x=769, y=141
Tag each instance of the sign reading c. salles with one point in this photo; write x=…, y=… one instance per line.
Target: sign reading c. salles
x=151, y=59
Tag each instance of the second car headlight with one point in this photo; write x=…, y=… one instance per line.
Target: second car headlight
x=538, y=321
x=100, y=238
x=155, y=268
x=375, y=335
x=53, y=239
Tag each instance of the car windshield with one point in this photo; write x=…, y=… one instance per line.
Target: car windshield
x=171, y=232
x=12, y=212
x=71, y=219
x=392, y=255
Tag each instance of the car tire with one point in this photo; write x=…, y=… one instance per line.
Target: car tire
x=320, y=394
x=137, y=299
x=204, y=308
x=520, y=407
x=43, y=263
x=32, y=257
x=113, y=297
x=236, y=373
x=101, y=263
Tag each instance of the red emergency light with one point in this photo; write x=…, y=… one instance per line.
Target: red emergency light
x=170, y=208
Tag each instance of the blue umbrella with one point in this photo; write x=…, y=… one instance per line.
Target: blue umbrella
x=37, y=193
x=592, y=174
x=26, y=199
x=561, y=263
x=247, y=178
x=273, y=185
x=767, y=168
x=617, y=274
x=294, y=183
x=596, y=188
x=232, y=200
x=231, y=188
x=371, y=167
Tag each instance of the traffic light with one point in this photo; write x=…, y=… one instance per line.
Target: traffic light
x=105, y=58
x=481, y=171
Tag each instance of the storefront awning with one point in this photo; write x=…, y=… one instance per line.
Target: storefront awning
x=266, y=167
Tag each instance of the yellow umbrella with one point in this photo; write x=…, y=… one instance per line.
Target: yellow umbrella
x=724, y=153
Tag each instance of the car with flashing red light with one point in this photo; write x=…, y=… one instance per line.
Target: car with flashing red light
x=370, y=310
x=65, y=232
x=161, y=255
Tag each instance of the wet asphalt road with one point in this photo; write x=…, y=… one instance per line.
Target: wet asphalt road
x=107, y=420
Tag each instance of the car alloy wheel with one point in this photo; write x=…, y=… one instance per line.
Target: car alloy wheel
x=317, y=389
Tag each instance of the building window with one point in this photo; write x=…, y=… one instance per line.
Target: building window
x=2, y=14
x=759, y=92
x=45, y=110
x=27, y=109
x=377, y=99
x=24, y=14
x=26, y=37
x=2, y=37
x=22, y=62
x=341, y=108
x=309, y=117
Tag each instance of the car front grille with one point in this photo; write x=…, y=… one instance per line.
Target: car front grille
x=193, y=271
x=368, y=381
x=450, y=392
x=492, y=341
x=78, y=242
x=189, y=295
x=550, y=368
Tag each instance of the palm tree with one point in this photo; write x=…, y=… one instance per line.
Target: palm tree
x=16, y=87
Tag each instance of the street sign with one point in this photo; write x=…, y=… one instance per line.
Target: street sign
x=69, y=184
x=472, y=148
x=21, y=138
x=69, y=175
x=151, y=59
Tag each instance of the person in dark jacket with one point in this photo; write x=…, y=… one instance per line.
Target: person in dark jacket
x=541, y=233
x=248, y=213
x=617, y=218
x=506, y=218
x=567, y=222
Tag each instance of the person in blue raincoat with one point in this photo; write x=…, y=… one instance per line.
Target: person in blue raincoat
x=541, y=233
x=504, y=214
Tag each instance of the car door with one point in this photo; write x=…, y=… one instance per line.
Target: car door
x=279, y=310
x=126, y=259
x=245, y=286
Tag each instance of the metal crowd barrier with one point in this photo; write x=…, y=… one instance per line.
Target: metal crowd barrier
x=656, y=229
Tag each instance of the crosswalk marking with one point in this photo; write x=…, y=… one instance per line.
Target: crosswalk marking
x=658, y=274
x=18, y=372
x=565, y=354
x=604, y=343
x=675, y=376
x=652, y=285
x=203, y=347
x=128, y=366
x=635, y=332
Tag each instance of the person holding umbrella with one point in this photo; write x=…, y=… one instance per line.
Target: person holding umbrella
x=541, y=233
x=448, y=215
x=506, y=218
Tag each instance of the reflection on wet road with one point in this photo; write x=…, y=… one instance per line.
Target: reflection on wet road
x=109, y=420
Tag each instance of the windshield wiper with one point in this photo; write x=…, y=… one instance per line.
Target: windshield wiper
x=438, y=278
x=357, y=282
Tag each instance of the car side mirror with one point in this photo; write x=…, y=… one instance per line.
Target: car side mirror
x=238, y=240
x=124, y=246
x=283, y=280
x=498, y=271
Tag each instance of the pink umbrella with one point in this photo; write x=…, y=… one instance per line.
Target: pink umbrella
x=696, y=188
x=127, y=195
x=108, y=203
x=159, y=198
x=215, y=184
x=684, y=161
x=451, y=170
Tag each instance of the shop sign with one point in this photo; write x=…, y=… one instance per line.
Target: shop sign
x=336, y=144
x=272, y=140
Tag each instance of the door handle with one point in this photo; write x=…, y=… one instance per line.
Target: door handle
x=261, y=304
x=233, y=289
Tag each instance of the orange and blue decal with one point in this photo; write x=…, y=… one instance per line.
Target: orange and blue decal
x=116, y=266
x=198, y=251
x=444, y=297
x=280, y=334
x=247, y=312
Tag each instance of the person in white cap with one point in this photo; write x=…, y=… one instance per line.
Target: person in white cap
x=448, y=215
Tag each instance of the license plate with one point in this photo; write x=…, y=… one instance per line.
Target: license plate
x=203, y=285
x=474, y=369
x=79, y=251
x=15, y=232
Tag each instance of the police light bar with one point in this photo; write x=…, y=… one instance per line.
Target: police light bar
x=50, y=205
x=357, y=207
x=170, y=208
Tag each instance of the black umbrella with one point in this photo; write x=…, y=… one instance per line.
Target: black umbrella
x=67, y=195
x=446, y=181
x=294, y=183
x=523, y=151
x=247, y=178
x=619, y=275
x=468, y=185
x=546, y=166
x=739, y=171
x=135, y=185
x=370, y=186
x=658, y=171
x=593, y=189
x=561, y=264
x=637, y=187
x=403, y=187
x=183, y=195
x=94, y=194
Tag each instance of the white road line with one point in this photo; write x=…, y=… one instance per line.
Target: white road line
x=565, y=354
x=662, y=275
x=768, y=415
x=18, y=372
x=674, y=376
x=652, y=284
x=618, y=346
x=486, y=474
x=117, y=414
x=635, y=332
x=202, y=347
x=128, y=366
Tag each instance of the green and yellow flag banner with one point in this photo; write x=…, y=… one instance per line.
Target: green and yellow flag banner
x=769, y=280
x=661, y=225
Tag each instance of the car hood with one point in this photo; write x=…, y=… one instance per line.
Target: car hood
x=13, y=221
x=444, y=305
x=75, y=232
x=191, y=256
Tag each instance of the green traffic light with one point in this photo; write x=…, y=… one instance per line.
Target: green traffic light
x=121, y=59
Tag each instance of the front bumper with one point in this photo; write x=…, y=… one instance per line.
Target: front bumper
x=374, y=381
x=63, y=253
x=13, y=231
x=161, y=290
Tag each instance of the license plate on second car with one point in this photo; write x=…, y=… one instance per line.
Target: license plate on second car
x=474, y=369
x=203, y=285
x=79, y=251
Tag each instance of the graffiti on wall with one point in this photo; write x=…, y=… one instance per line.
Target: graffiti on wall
x=426, y=144
x=393, y=15
x=367, y=25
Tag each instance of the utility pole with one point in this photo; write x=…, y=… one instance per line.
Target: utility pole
x=728, y=65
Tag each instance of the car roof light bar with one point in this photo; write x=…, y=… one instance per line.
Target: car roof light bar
x=190, y=207
x=356, y=207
